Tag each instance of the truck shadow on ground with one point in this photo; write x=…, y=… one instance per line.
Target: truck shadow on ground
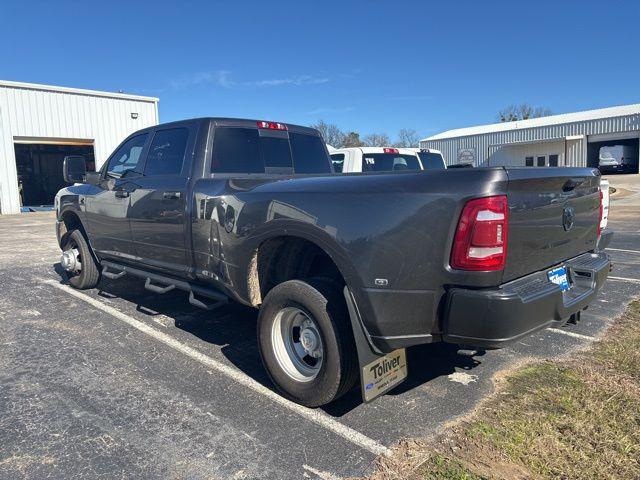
x=232, y=328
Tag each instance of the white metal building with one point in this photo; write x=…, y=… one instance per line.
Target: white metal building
x=572, y=139
x=40, y=124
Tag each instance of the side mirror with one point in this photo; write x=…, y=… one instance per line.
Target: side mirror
x=74, y=169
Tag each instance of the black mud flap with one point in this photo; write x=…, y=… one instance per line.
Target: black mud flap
x=379, y=372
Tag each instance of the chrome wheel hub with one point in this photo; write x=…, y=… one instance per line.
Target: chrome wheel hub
x=297, y=344
x=70, y=260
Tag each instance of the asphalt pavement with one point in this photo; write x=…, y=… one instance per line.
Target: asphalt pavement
x=119, y=382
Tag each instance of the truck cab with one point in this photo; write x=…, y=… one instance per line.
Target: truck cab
x=374, y=159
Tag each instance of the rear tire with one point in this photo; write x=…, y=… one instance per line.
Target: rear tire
x=318, y=362
x=88, y=276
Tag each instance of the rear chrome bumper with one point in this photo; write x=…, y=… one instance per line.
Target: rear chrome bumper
x=492, y=318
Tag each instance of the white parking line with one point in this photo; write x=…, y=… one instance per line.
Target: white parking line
x=624, y=279
x=320, y=473
x=573, y=334
x=316, y=416
x=622, y=250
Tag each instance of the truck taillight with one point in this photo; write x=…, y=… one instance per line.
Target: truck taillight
x=481, y=237
x=390, y=150
x=271, y=125
x=601, y=213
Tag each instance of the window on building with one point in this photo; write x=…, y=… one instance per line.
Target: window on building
x=337, y=159
x=127, y=157
x=166, y=153
x=528, y=161
x=553, y=160
x=542, y=161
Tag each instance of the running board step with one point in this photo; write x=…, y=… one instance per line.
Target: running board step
x=205, y=306
x=157, y=288
x=112, y=275
x=157, y=283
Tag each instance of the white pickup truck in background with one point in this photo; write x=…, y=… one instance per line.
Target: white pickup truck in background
x=374, y=159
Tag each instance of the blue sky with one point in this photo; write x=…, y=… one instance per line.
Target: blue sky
x=369, y=66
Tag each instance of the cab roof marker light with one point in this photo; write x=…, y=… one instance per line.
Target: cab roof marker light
x=271, y=125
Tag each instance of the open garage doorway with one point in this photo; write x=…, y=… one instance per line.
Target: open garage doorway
x=630, y=147
x=39, y=167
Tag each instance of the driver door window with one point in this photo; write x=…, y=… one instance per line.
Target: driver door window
x=127, y=157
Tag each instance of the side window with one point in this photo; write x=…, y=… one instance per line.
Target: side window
x=166, y=153
x=542, y=161
x=528, y=161
x=553, y=160
x=127, y=157
x=236, y=150
x=309, y=154
x=338, y=162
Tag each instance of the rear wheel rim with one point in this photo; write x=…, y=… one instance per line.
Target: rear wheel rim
x=297, y=344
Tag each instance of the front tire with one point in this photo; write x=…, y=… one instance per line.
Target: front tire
x=306, y=342
x=79, y=262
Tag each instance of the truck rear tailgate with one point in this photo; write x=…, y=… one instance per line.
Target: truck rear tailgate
x=553, y=216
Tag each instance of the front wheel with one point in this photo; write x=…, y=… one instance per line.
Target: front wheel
x=306, y=342
x=78, y=262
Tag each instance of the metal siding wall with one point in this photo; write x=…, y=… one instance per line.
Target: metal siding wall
x=578, y=157
x=9, y=195
x=514, y=155
x=51, y=114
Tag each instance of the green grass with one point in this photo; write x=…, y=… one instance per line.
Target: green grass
x=575, y=419
x=439, y=467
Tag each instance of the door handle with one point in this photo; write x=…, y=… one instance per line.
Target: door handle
x=122, y=194
x=171, y=195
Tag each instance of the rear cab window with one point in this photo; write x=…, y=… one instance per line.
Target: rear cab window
x=431, y=160
x=243, y=150
x=389, y=162
x=309, y=154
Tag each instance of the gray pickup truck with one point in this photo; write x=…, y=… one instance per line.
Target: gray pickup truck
x=347, y=270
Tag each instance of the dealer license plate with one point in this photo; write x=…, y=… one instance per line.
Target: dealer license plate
x=559, y=277
x=384, y=373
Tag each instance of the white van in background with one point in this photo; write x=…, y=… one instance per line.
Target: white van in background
x=618, y=158
x=374, y=159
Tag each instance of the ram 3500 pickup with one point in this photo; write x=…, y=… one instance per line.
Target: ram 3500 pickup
x=347, y=270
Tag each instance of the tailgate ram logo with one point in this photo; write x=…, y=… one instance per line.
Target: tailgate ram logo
x=568, y=218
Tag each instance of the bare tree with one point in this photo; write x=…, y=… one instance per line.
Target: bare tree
x=524, y=111
x=377, y=140
x=407, y=138
x=330, y=133
x=352, y=139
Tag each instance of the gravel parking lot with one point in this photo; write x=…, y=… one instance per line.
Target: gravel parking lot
x=119, y=382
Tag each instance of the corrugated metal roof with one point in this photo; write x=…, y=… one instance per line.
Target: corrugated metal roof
x=79, y=91
x=540, y=122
